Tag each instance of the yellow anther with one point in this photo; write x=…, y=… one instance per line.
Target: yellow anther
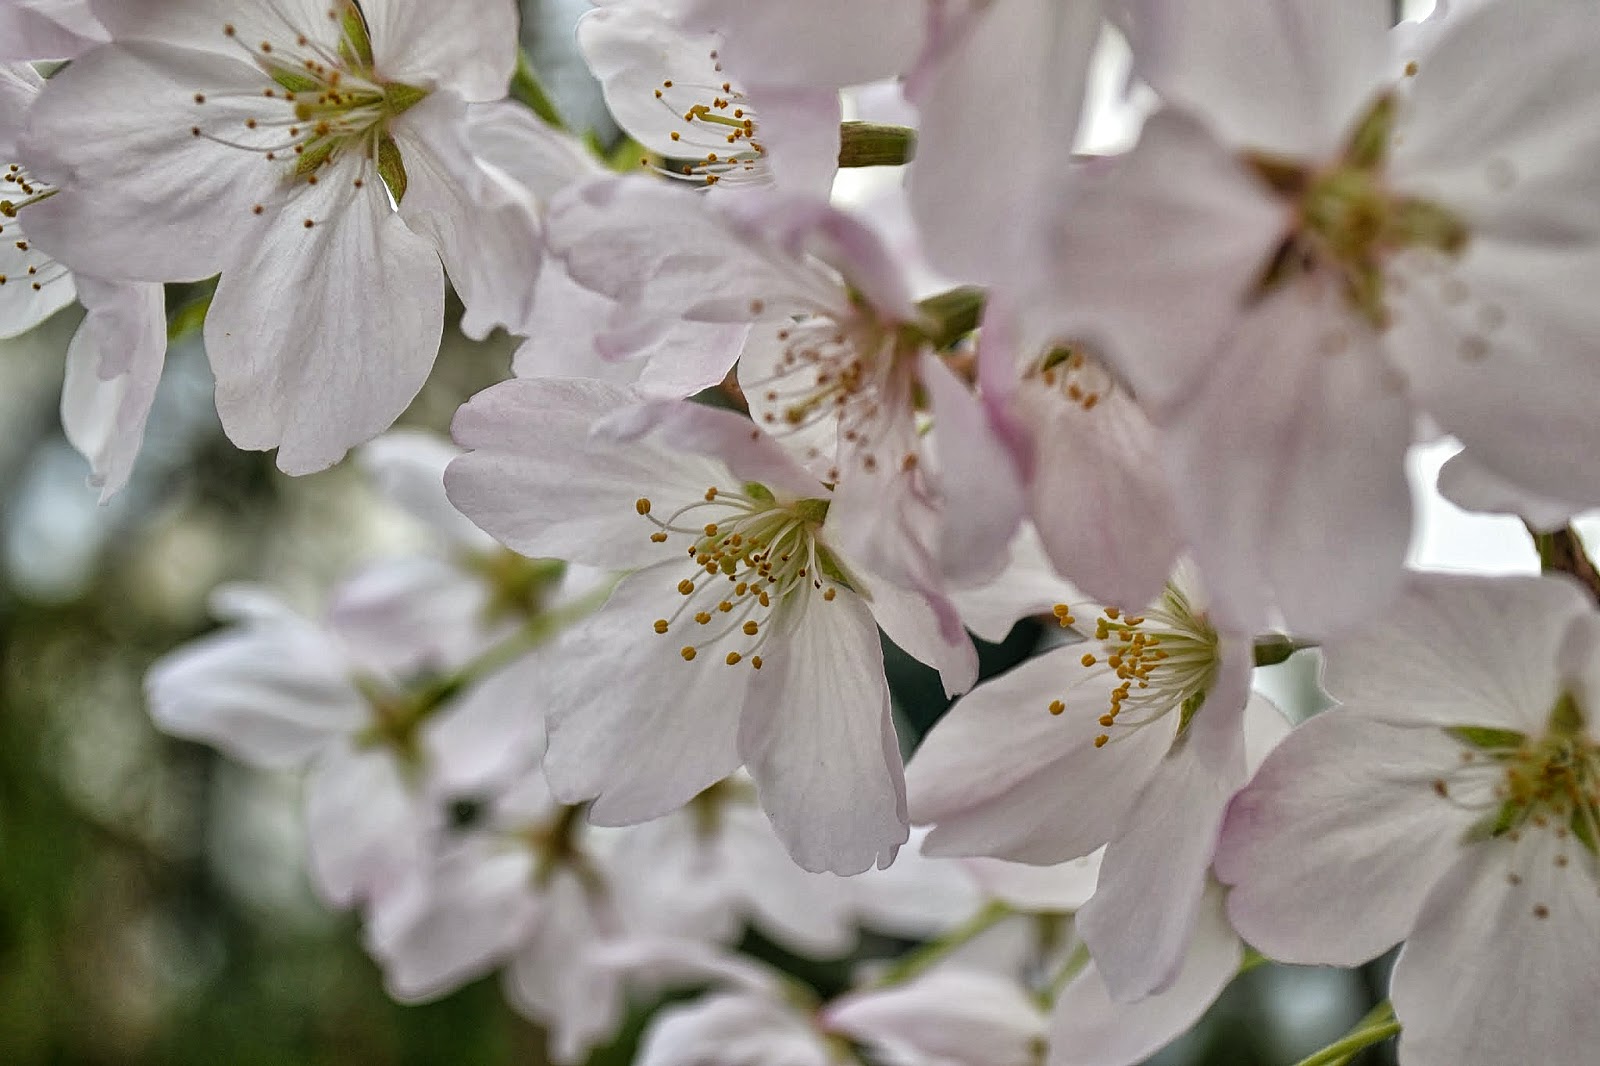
x=1056, y=706
x=686, y=586
x=1108, y=720
x=755, y=661
x=661, y=625
x=703, y=617
x=1087, y=660
x=1101, y=741
x=733, y=658
x=711, y=529
x=658, y=537
x=688, y=654
x=1112, y=613
x=711, y=493
x=642, y=505
x=751, y=628
x=829, y=593
x=724, y=606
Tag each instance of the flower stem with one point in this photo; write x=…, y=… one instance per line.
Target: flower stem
x=1562, y=551
x=1274, y=648
x=1375, y=1028
x=872, y=144
x=528, y=90
x=915, y=963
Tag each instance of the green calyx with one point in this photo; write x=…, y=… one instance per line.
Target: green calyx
x=1350, y=220
x=872, y=144
x=1552, y=780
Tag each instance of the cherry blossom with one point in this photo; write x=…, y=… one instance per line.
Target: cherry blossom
x=759, y=648
x=317, y=158
x=114, y=361
x=1133, y=739
x=1450, y=802
x=666, y=87
x=837, y=362
x=1350, y=239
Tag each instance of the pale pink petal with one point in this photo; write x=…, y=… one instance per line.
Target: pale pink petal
x=143, y=198
x=1514, y=163
x=47, y=29
x=407, y=467
x=322, y=335
x=672, y=254
x=365, y=828
x=1333, y=846
x=493, y=731
x=466, y=912
x=1141, y=919
x=1028, y=585
x=540, y=158
x=19, y=86
x=1062, y=888
x=555, y=980
x=955, y=1017
x=1000, y=775
x=1473, y=487
x=271, y=693
x=413, y=41
x=732, y=1029
x=981, y=486
x=1089, y=1028
x=104, y=413
x=922, y=629
x=204, y=23
x=1030, y=57
x=699, y=429
x=536, y=479
x=1098, y=495
x=1153, y=273
x=1495, y=972
x=484, y=226
x=817, y=736
x=827, y=43
x=1509, y=313
x=36, y=286
x=1287, y=503
x=919, y=896
x=800, y=132
x=1286, y=76
x=1459, y=650
x=632, y=725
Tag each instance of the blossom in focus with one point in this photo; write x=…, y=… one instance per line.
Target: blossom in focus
x=742, y=636
x=665, y=86
x=1134, y=739
x=838, y=363
x=317, y=157
x=1452, y=801
x=114, y=361
x=1323, y=235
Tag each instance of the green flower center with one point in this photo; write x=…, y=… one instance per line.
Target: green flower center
x=1550, y=782
x=324, y=101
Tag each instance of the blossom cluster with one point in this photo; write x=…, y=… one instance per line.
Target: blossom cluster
x=633, y=698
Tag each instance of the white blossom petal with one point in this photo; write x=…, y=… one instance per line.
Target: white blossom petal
x=1485, y=979
x=321, y=335
x=818, y=738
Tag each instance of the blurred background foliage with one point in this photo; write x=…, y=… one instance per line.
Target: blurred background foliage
x=153, y=902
